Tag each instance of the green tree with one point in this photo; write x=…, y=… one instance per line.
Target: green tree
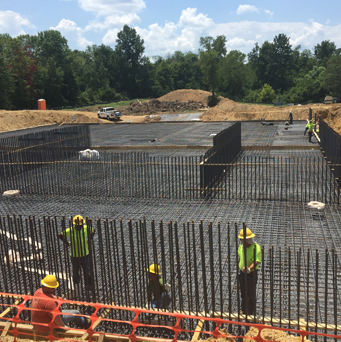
x=212, y=52
x=267, y=94
x=308, y=88
x=7, y=76
x=324, y=51
x=130, y=51
x=332, y=81
x=23, y=66
x=236, y=76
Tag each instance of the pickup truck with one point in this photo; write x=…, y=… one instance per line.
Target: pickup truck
x=109, y=113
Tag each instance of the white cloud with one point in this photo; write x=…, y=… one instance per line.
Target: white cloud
x=110, y=37
x=160, y=40
x=237, y=43
x=13, y=23
x=112, y=7
x=247, y=9
x=190, y=18
x=72, y=33
x=269, y=13
x=113, y=21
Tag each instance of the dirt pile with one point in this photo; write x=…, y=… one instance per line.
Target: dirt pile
x=185, y=95
x=12, y=120
x=273, y=335
x=228, y=110
x=179, y=101
x=156, y=106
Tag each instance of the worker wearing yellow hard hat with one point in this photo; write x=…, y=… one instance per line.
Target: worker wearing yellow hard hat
x=79, y=235
x=158, y=297
x=43, y=305
x=250, y=256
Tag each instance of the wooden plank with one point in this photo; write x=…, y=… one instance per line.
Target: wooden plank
x=198, y=330
x=7, y=326
x=96, y=323
x=101, y=338
x=268, y=320
x=9, y=309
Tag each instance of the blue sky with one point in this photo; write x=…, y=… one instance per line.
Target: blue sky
x=168, y=26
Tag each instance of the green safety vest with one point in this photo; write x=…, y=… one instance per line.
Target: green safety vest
x=79, y=241
x=249, y=255
x=310, y=126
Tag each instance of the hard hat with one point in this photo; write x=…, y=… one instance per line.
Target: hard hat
x=78, y=220
x=249, y=234
x=50, y=281
x=152, y=267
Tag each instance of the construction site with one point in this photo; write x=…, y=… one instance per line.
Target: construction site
x=176, y=194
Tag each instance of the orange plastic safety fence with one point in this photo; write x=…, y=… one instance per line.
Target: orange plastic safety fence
x=17, y=327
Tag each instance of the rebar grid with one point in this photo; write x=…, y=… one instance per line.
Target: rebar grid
x=198, y=261
x=303, y=290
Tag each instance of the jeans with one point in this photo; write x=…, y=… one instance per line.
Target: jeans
x=164, y=301
x=78, y=320
x=248, y=299
x=83, y=262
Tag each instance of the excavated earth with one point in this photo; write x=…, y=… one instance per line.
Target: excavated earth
x=179, y=101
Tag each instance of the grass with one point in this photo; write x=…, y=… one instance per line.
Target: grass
x=116, y=105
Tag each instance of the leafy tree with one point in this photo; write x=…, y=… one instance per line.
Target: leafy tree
x=324, y=51
x=6, y=73
x=210, y=56
x=332, y=81
x=308, y=88
x=23, y=67
x=236, y=76
x=130, y=50
x=267, y=94
x=273, y=62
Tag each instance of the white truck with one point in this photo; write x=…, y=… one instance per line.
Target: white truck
x=109, y=113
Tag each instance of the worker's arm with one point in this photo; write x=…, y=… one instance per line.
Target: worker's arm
x=253, y=265
x=58, y=321
x=63, y=238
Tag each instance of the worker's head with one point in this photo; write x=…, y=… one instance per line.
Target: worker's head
x=78, y=221
x=154, y=270
x=248, y=237
x=49, y=283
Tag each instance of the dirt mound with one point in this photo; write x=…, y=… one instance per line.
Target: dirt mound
x=273, y=335
x=228, y=110
x=156, y=106
x=185, y=95
x=12, y=120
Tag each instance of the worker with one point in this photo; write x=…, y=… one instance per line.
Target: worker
x=44, y=305
x=79, y=235
x=290, y=118
x=310, y=127
x=156, y=290
x=249, y=271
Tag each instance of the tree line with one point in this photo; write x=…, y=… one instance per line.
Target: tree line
x=43, y=66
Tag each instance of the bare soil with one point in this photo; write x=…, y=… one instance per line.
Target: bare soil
x=273, y=335
x=179, y=101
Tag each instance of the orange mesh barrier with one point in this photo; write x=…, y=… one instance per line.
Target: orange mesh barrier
x=21, y=327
